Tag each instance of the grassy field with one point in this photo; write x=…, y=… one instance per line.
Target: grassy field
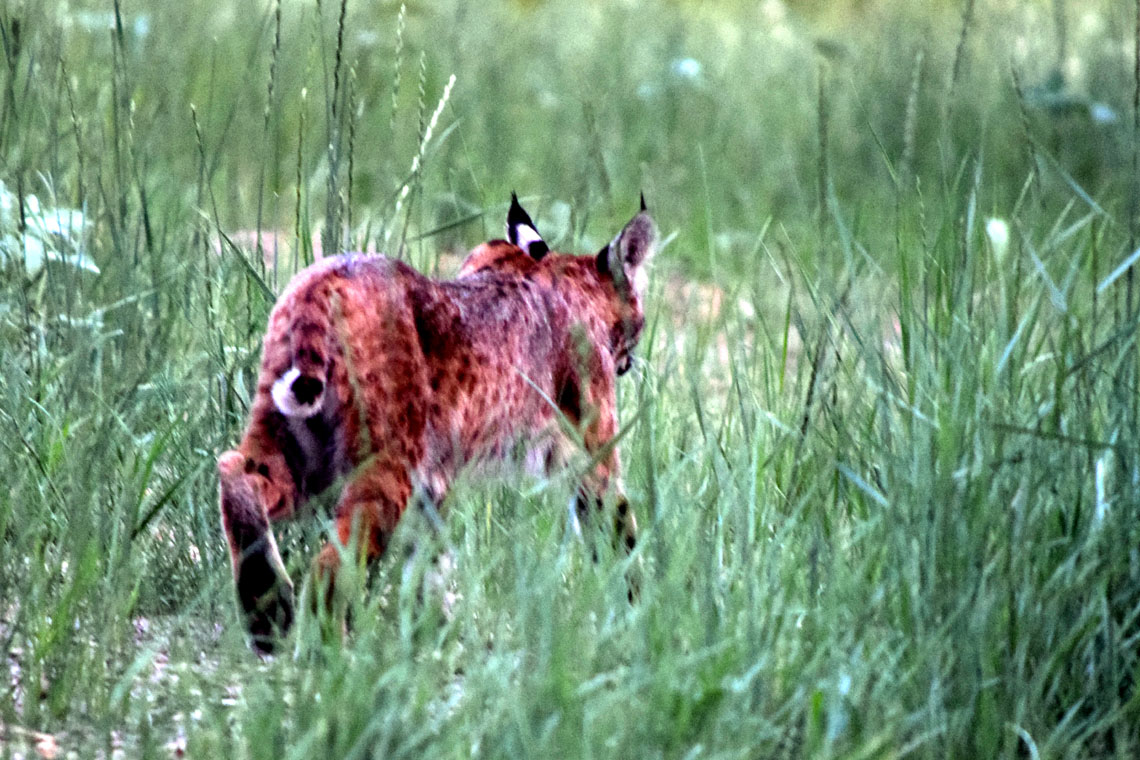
x=884, y=431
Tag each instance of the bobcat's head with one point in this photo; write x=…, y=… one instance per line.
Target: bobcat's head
x=620, y=268
x=620, y=264
x=624, y=263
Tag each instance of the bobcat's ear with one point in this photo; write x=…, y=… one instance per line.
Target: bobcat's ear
x=522, y=232
x=625, y=257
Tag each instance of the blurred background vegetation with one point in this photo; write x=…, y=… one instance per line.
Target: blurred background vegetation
x=887, y=418
x=583, y=104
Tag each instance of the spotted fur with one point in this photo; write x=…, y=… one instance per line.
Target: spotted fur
x=377, y=377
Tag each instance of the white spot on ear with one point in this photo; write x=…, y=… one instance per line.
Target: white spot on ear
x=286, y=402
x=527, y=235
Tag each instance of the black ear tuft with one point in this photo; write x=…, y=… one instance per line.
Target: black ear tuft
x=522, y=232
x=516, y=216
x=643, y=207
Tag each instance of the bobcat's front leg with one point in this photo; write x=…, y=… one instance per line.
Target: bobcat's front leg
x=587, y=399
x=605, y=477
x=247, y=494
x=590, y=499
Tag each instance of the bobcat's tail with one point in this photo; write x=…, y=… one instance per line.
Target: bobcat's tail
x=300, y=391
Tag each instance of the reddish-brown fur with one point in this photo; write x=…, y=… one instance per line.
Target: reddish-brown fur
x=394, y=381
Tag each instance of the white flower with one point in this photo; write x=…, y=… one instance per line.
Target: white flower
x=1102, y=113
x=998, y=233
x=66, y=223
x=687, y=68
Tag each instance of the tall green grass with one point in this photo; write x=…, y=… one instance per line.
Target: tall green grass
x=885, y=463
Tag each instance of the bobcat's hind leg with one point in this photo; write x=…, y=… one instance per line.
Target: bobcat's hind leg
x=365, y=519
x=264, y=589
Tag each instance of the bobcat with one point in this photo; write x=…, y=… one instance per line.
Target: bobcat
x=377, y=377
